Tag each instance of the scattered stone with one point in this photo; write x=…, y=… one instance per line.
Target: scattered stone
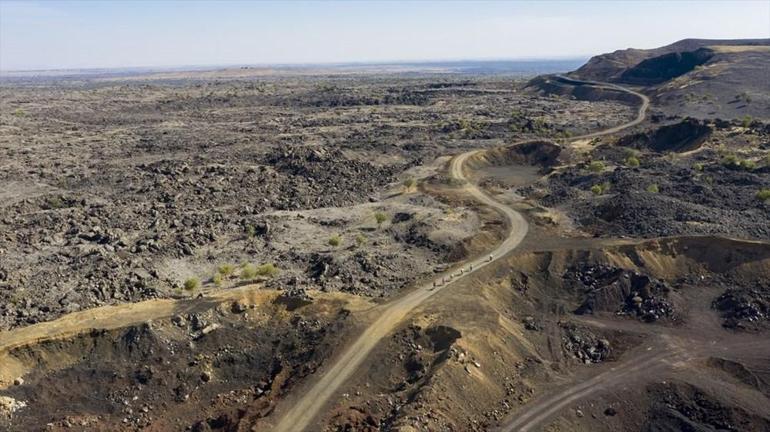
x=238, y=307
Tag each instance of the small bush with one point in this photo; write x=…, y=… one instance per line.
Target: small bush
x=217, y=279
x=380, y=217
x=698, y=166
x=763, y=194
x=248, y=272
x=600, y=189
x=360, y=239
x=335, y=241
x=18, y=112
x=251, y=231
x=226, y=269
x=730, y=160
x=409, y=183
x=632, y=161
x=734, y=162
x=192, y=284
x=747, y=120
x=722, y=150
x=631, y=152
x=268, y=270
x=748, y=165
x=596, y=166
x=653, y=188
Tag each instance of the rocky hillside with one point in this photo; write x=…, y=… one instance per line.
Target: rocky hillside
x=611, y=67
x=702, y=78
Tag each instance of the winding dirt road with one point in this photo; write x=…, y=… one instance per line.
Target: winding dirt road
x=641, y=112
x=305, y=410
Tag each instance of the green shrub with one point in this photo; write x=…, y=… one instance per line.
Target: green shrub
x=747, y=120
x=335, y=240
x=722, y=150
x=698, y=166
x=192, y=284
x=251, y=231
x=18, y=112
x=268, y=270
x=763, y=194
x=632, y=161
x=248, y=272
x=217, y=279
x=600, y=189
x=631, y=152
x=360, y=239
x=409, y=183
x=653, y=188
x=734, y=162
x=596, y=166
x=748, y=165
x=380, y=217
x=730, y=160
x=226, y=269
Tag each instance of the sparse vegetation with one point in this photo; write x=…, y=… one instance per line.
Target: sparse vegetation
x=748, y=165
x=600, y=189
x=360, y=239
x=409, y=183
x=722, y=150
x=18, y=112
x=268, y=270
x=732, y=161
x=653, y=188
x=763, y=194
x=335, y=240
x=465, y=126
x=380, y=218
x=632, y=161
x=746, y=121
x=596, y=166
x=251, y=231
x=698, y=166
x=192, y=284
x=217, y=279
x=248, y=272
x=226, y=269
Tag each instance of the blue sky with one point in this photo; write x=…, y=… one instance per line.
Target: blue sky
x=71, y=34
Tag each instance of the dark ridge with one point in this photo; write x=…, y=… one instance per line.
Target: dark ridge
x=611, y=66
x=663, y=68
x=687, y=135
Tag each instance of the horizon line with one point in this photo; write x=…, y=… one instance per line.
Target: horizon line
x=181, y=67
